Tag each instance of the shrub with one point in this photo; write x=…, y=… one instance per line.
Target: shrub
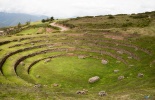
x=88, y=17
x=111, y=17
x=144, y=23
x=52, y=18
x=139, y=16
x=19, y=25
x=43, y=21
x=47, y=20
x=127, y=24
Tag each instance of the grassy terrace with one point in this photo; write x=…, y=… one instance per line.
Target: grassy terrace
x=55, y=65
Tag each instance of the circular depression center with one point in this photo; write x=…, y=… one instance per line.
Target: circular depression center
x=67, y=71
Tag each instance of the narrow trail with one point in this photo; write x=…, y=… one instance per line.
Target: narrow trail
x=62, y=28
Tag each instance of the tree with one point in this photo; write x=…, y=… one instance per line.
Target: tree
x=19, y=25
x=111, y=17
x=52, y=18
x=43, y=20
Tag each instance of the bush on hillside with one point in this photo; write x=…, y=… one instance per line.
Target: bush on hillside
x=19, y=25
x=88, y=17
x=127, y=24
x=47, y=20
x=99, y=16
x=139, y=16
x=111, y=17
x=43, y=21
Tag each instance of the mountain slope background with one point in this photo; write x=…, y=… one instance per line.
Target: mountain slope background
x=11, y=19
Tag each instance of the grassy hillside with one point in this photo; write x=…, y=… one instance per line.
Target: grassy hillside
x=54, y=65
x=30, y=28
x=142, y=23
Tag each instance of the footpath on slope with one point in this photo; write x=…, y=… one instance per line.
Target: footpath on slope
x=62, y=28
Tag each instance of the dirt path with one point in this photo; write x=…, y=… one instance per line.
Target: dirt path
x=62, y=28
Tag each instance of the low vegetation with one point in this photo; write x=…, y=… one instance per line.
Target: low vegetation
x=96, y=59
x=29, y=28
x=142, y=23
x=47, y=20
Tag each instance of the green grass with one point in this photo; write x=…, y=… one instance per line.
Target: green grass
x=72, y=73
x=36, y=23
x=29, y=31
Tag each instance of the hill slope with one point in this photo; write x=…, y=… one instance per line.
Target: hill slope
x=142, y=23
x=42, y=62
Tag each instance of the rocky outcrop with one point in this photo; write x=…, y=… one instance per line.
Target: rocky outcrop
x=47, y=60
x=116, y=71
x=37, y=85
x=104, y=61
x=84, y=91
x=102, y=93
x=55, y=85
x=22, y=63
x=120, y=77
x=140, y=75
x=81, y=56
x=94, y=79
